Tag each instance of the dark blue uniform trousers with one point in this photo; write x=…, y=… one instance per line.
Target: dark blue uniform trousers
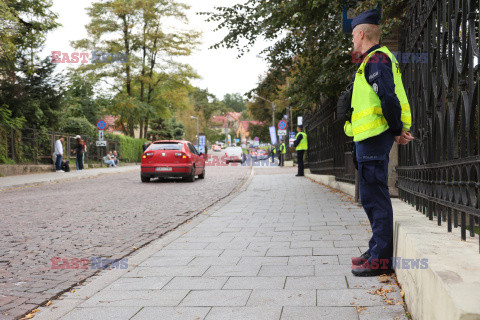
x=373, y=156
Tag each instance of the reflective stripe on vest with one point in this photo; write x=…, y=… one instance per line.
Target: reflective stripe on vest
x=303, y=145
x=367, y=118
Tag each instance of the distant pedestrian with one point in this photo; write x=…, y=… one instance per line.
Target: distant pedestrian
x=301, y=145
x=281, y=154
x=79, y=148
x=59, y=154
x=145, y=146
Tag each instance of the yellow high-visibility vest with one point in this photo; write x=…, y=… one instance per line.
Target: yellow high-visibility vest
x=282, y=148
x=303, y=145
x=367, y=117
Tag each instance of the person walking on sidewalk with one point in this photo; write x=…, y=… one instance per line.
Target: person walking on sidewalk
x=281, y=153
x=301, y=145
x=381, y=115
x=59, y=154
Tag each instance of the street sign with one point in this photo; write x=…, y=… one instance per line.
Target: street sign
x=257, y=139
x=291, y=142
x=202, y=140
x=282, y=132
x=101, y=143
x=299, y=121
x=282, y=125
x=292, y=135
x=101, y=124
x=101, y=135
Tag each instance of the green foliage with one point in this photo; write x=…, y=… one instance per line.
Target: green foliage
x=309, y=46
x=259, y=130
x=129, y=149
x=36, y=96
x=79, y=126
x=235, y=102
x=167, y=129
x=79, y=98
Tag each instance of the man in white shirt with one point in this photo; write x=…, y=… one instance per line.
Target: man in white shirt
x=59, y=153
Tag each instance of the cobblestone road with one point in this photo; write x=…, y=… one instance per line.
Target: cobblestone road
x=107, y=216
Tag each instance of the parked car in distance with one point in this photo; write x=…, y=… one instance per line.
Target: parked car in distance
x=259, y=154
x=234, y=154
x=172, y=158
x=216, y=148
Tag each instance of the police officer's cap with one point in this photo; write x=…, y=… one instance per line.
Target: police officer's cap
x=368, y=17
x=300, y=126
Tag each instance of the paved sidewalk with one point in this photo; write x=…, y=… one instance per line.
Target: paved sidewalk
x=11, y=182
x=279, y=250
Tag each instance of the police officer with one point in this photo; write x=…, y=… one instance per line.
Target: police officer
x=381, y=115
x=281, y=153
x=273, y=151
x=301, y=145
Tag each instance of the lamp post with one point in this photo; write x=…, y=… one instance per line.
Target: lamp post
x=198, y=133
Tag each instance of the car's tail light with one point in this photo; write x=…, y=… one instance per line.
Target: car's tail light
x=180, y=155
x=147, y=155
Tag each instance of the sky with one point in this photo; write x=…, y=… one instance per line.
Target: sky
x=220, y=70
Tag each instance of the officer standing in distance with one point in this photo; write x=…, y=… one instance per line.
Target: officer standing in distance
x=381, y=115
x=281, y=153
x=272, y=152
x=301, y=145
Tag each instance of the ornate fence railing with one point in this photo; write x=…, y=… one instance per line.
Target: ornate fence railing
x=439, y=174
x=329, y=149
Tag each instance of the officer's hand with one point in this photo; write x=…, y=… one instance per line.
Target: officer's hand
x=404, y=138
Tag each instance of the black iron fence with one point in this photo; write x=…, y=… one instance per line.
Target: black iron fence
x=33, y=146
x=329, y=149
x=440, y=173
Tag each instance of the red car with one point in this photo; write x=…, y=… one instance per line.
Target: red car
x=172, y=158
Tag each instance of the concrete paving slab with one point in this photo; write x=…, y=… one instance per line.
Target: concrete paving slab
x=244, y=313
x=216, y=298
x=319, y=313
x=255, y=283
x=282, y=297
x=107, y=313
x=171, y=313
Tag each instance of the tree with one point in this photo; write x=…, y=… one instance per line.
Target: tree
x=136, y=29
x=36, y=95
x=309, y=45
x=259, y=130
x=27, y=86
x=167, y=129
x=235, y=102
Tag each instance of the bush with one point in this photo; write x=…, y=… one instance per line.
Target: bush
x=79, y=126
x=129, y=149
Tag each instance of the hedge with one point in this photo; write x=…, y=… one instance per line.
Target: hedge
x=129, y=149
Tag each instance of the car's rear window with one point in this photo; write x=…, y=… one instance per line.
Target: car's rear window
x=166, y=146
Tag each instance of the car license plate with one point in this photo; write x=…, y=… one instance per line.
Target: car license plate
x=163, y=169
